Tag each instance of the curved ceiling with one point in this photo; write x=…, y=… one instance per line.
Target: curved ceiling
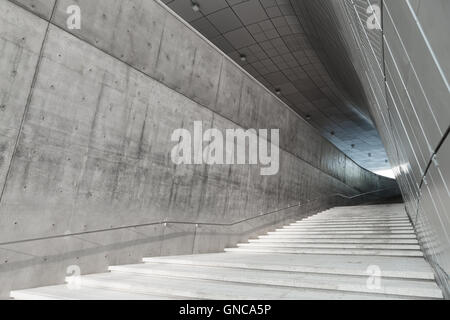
x=279, y=42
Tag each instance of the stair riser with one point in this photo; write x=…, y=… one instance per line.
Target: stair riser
x=301, y=228
x=336, y=241
x=231, y=295
x=352, y=287
x=362, y=215
x=295, y=268
x=327, y=231
x=330, y=246
x=378, y=217
x=294, y=232
x=353, y=225
x=336, y=221
x=191, y=294
x=325, y=256
x=355, y=219
x=392, y=253
x=276, y=235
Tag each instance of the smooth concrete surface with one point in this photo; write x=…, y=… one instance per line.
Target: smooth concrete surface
x=85, y=126
x=270, y=275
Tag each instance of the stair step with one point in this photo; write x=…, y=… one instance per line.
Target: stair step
x=350, y=224
x=332, y=245
x=327, y=232
x=398, y=287
x=62, y=292
x=360, y=214
x=356, y=224
x=318, y=228
x=374, y=252
x=294, y=232
x=355, y=219
x=327, y=256
x=280, y=235
x=210, y=289
x=398, y=267
x=336, y=241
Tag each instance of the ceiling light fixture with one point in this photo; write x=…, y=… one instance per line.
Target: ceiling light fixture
x=195, y=7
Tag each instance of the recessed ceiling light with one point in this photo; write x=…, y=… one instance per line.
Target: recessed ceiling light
x=195, y=7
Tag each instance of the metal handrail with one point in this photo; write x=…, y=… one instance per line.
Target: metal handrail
x=275, y=211
x=197, y=224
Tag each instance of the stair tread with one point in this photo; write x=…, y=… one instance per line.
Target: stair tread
x=335, y=245
x=337, y=241
x=62, y=292
x=337, y=223
x=326, y=256
x=354, y=219
x=344, y=231
x=340, y=236
x=211, y=289
x=356, y=265
x=408, y=253
x=301, y=228
x=299, y=225
x=408, y=287
x=302, y=235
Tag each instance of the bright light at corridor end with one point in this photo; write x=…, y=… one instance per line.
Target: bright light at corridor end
x=386, y=173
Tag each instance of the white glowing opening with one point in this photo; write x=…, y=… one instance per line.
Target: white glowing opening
x=386, y=173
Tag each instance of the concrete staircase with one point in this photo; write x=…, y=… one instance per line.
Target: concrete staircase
x=336, y=254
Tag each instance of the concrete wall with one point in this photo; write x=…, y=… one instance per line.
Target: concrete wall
x=404, y=69
x=417, y=72
x=86, y=117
